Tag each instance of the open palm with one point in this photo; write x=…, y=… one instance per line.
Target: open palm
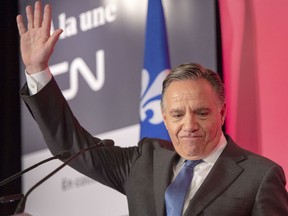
x=36, y=43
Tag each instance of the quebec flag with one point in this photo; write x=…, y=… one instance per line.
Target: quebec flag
x=156, y=68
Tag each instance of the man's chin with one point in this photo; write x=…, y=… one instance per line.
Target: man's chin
x=191, y=153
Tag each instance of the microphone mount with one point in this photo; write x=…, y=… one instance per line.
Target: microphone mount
x=62, y=156
x=103, y=143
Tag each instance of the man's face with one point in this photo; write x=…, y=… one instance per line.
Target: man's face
x=193, y=116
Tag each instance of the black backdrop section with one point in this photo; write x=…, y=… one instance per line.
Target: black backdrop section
x=219, y=46
x=218, y=40
x=10, y=143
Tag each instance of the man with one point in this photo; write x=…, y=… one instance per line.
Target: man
x=228, y=180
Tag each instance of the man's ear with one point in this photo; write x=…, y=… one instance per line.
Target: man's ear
x=164, y=116
x=223, y=113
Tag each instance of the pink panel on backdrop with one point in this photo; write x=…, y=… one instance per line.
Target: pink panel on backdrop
x=255, y=64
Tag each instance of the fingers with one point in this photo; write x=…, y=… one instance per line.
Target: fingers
x=46, y=24
x=38, y=14
x=34, y=19
x=20, y=24
x=29, y=14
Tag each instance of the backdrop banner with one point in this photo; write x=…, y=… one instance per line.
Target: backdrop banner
x=97, y=63
x=254, y=39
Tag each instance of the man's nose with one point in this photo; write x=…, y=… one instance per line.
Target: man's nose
x=190, y=123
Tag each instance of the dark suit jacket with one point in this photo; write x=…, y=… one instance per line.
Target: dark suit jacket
x=240, y=183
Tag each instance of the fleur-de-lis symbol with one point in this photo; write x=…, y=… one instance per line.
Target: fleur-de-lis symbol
x=151, y=96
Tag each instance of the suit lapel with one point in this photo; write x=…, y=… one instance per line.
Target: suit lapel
x=224, y=172
x=163, y=163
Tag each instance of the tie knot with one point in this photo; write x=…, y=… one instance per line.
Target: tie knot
x=192, y=163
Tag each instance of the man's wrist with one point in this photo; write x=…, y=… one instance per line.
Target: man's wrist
x=36, y=68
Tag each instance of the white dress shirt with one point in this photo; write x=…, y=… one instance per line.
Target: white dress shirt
x=38, y=80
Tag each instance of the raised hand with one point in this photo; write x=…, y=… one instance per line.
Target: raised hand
x=36, y=43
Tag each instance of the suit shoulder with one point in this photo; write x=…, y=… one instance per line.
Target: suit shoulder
x=244, y=156
x=259, y=159
x=250, y=157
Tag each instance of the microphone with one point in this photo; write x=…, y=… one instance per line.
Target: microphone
x=11, y=198
x=62, y=156
x=103, y=143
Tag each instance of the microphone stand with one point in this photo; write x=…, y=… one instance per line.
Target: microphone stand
x=21, y=205
x=62, y=155
x=14, y=197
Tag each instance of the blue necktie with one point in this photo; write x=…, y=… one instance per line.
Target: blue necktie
x=176, y=191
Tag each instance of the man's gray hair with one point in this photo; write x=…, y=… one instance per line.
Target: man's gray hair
x=194, y=71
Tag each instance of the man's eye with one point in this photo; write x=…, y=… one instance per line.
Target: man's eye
x=177, y=115
x=203, y=114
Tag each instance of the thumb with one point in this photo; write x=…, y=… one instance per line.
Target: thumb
x=54, y=38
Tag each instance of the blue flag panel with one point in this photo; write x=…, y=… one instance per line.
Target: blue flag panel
x=156, y=68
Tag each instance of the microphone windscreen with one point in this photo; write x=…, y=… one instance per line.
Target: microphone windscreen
x=108, y=142
x=64, y=155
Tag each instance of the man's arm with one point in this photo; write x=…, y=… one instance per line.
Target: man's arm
x=272, y=197
x=60, y=129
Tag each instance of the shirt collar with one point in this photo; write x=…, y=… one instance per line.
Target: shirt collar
x=214, y=155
